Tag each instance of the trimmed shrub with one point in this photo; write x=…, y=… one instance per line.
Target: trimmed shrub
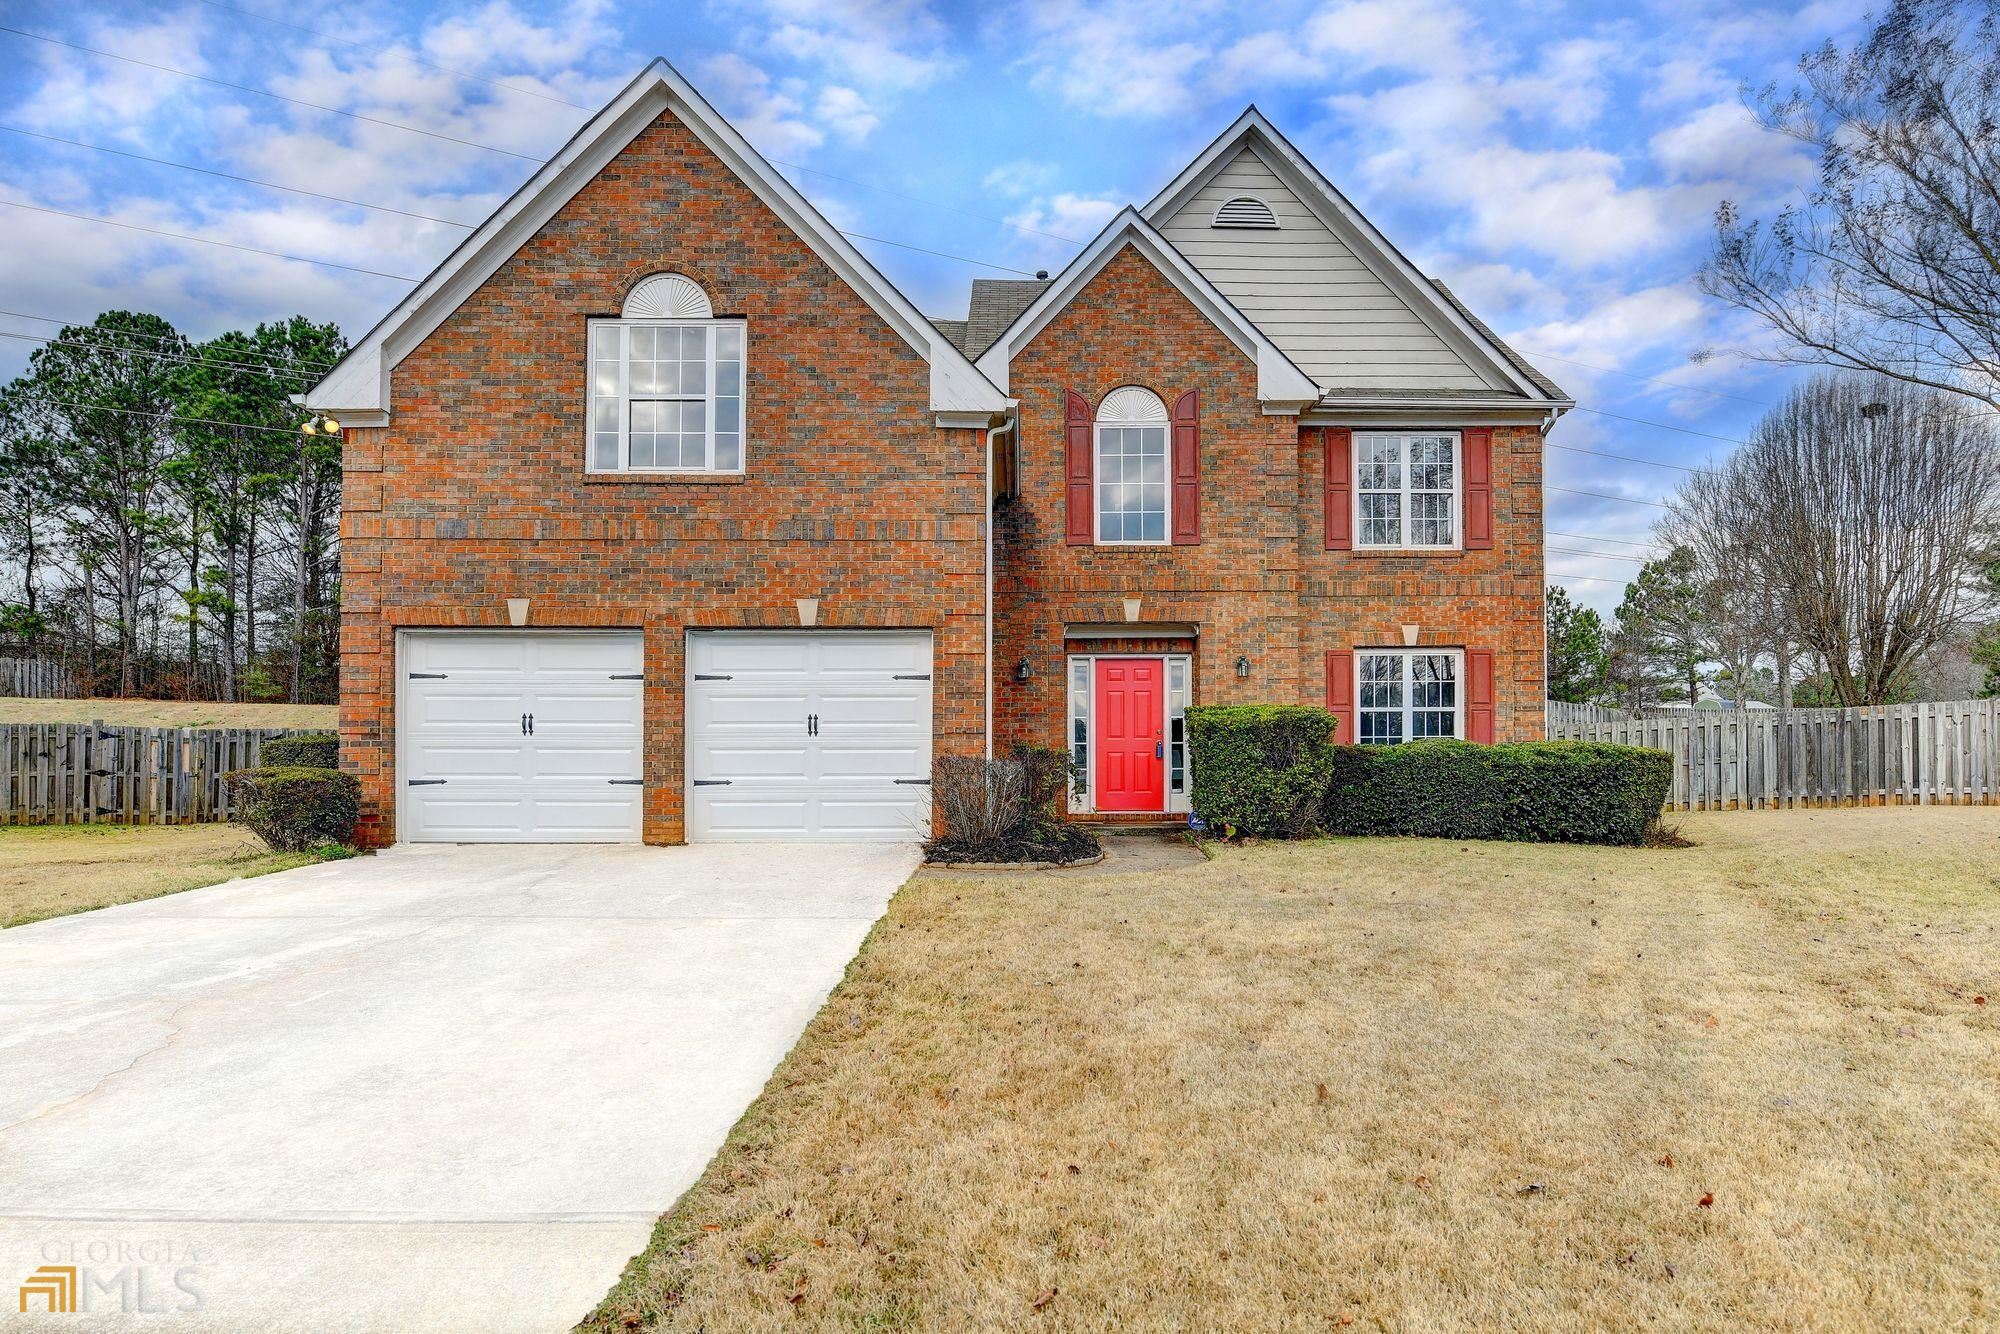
x=1527, y=792
x=1260, y=768
x=307, y=750
x=294, y=808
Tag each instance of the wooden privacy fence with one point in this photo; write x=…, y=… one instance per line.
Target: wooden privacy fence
x=35, y=678
x=88, y=773
x=1890, y=754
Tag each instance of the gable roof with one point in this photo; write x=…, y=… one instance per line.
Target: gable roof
x=358, y=388
x=1280, y=384
x=1441, y=314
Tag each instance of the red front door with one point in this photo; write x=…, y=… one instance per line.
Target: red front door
x=1131, y=773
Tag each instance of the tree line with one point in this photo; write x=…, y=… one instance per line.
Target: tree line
x=168, y=529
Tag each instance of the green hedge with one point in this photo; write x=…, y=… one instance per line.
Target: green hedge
x=1260, y=768
x=307, y=750
x=294, y=808
x=1529, y=792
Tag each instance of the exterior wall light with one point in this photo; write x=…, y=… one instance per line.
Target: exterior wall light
x=1242, y=666
x=1022, y=670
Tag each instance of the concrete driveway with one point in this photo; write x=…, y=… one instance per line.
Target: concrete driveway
x=441, y=1088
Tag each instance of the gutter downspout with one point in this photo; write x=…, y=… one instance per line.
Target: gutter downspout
x=992, y=435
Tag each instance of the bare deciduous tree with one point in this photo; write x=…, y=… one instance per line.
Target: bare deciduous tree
x=1855, y=514
x=1893, y=266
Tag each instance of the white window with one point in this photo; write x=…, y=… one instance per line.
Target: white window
x=1406, y=695
x=1406, y=488
x=666, y=384
x=1131, y=468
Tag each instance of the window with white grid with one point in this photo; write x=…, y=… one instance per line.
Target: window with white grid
x=666, y=396
x=1406, y=488
x=1406, y=695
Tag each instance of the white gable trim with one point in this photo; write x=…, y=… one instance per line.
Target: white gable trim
x=360, y=383
x=1281, y=386
x=1256, y=133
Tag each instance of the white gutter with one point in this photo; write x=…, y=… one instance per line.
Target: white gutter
x=993, y=433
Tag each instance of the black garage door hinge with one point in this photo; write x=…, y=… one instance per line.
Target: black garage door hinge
x=915, y=782
x=712, y=782
x=628, y=676
x=712, y=676
x=427, y=676
x=427, y=782
x=629, y=782
x=911, y=676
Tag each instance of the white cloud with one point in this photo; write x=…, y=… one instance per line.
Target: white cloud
x=1075, y=217
x=882, y=45
x=1368, y=35
x=846, y=113
x=1723, y=142
x=1018, y=178
x=767, y=115
x=78, y=92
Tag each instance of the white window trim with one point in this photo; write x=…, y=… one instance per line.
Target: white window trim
x=1457, y=542
x=1164, y=422
x=590, y=398
x=1457, y=655
x=1085, y=802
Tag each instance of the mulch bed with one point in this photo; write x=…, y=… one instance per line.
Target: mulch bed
x=1057, y=844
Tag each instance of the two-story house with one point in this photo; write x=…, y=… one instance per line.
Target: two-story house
x=667, y=517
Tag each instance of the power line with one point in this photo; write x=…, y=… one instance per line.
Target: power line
x=259, y=92
x=1627, y=458
x=229, y=176
x=1606, y=495
x=1634, y=375
x=1586, y=578
x=1593, y=537
x=134, y=333
x=1664, y=426
x=905, y=245
x=206, y=240
x=563, y=101
x=1600, y=555
x=403, y=55
x=170, y=417
x=192, y=359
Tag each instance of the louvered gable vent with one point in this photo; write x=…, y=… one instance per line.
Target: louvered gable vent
x=1244, y=211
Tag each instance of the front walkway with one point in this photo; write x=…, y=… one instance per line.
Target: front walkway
x=441, y=1088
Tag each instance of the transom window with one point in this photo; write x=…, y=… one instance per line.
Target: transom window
x=1406, y=488
x=1405, y=695
x=666, y=384
x=1132, y=491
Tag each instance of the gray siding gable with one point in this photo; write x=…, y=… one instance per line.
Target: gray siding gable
x=1311, y=294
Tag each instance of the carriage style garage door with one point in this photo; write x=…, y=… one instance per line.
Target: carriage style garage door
x=519, y=736
x=809, y=734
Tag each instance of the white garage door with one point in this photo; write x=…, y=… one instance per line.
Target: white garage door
x=520, y=737
x=809, y=734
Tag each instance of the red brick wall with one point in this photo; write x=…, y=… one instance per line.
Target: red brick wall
x=476, y=492
x=1465, y=599
x=1129, y=325
x=1261, y=584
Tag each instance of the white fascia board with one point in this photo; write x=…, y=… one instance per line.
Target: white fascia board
x=361, y=381
x=1278, y=380
x=1254, y=131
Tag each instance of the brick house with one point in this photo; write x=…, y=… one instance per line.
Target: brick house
x=596, y=586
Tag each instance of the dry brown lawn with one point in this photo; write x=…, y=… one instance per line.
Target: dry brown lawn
x=51, y=870
x=1390, y=1084
x=167, y=713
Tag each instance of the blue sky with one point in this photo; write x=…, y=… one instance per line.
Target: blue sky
x=1556, y=163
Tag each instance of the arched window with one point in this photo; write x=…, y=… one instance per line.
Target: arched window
x=1244, y=211
x=666, y=383
x=1132, y=491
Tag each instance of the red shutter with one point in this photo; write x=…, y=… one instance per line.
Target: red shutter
x=1479, y=488
x=1077, y=469
x=1187, y=469
x=1337, y=450
x=1479, y=696
x=1340, y=693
